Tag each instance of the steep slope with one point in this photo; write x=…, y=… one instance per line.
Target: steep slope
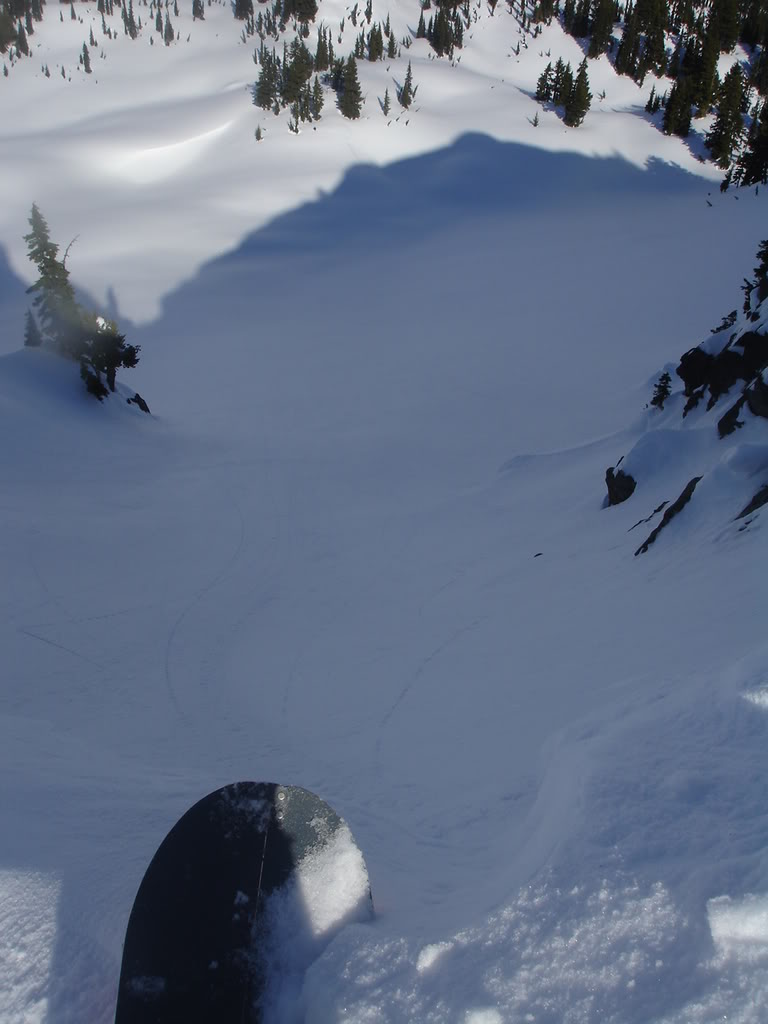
x=361, y=547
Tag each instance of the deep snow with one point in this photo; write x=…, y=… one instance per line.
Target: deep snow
x=360, y=547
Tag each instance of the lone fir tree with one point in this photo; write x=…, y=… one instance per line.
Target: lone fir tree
x=407, y=91
x=662, y=390
x=61, y=324
x=351, y=101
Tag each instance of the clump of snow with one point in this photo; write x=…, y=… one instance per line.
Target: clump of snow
x=328, y=890
x=740, y=927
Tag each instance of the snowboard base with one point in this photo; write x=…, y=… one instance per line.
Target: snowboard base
x=251, y=881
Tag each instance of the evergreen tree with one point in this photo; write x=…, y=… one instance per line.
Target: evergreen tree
x=578, y=101
x=198, y=10
x=728, y=127
x=627, y=55
x=22, y=46
x=297, y=70
x=726, y=15
x=86, y=60
x=351, y=100
x=662, y=390
x=66, y=326
x=385, y=107
x=322, y=59
x=53, y=295
x=754, y=161
x=602, y=27
x=168, y=33
x=7, y=29
x=677, y=112
x=32, y=336
x=317, y=100
x=406, y=93
x=243, y=9
x=375, y=43
x=706, y=80
x=544, y=85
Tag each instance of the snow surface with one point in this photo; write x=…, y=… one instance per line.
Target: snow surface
x=360, y=545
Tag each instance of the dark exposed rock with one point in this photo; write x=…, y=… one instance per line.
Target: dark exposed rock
x=760, y=499
x=620, y=485
x=670, y=514
x=741, y=359
x=694, y=369
x=693, y=400
x=756, y=396
x=138, y=400
x=650, y=517
x=730, y=420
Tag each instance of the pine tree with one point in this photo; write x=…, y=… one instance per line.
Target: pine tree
x=32, y=336
x=729, y=125
x=317, y=101
x=677, y=112
x=198, y=10
x=629, y=48
x=322, y=61
x=754, y=161
x=726, y=14
x=544, y=85
x=602, y=27
x=707, y=80
x=22, y=46
x=662, y=390
x=351, y=100
x=53, y=295
x=168, y=33
x=86, y=60
x=66, y=326
x=577, y=103
x=406, y=93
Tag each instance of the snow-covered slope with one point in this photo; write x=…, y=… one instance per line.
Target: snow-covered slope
x=360, y=546
x=151, y=159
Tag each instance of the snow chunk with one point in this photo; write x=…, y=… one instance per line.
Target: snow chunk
x=740, y=927
x=328, y=890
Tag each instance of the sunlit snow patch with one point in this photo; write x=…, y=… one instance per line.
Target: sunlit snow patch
x=28, y=906
x=156, y=163
x=758, y=697
x=328, y=890
x=740, y=927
